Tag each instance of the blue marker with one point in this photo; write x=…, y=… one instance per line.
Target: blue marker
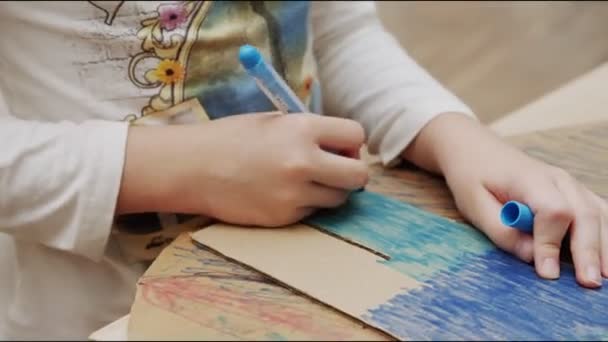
x=517, y=215
x=269, y=81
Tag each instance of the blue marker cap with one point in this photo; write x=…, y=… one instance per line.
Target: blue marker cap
x=249, y=56
x=517, y=215
x=269, y=81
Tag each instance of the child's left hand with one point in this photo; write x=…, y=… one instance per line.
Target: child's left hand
x=483, y=173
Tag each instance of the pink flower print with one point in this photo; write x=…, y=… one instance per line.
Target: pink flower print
x=171, y=16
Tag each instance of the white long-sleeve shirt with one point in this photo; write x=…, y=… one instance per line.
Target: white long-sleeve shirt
x=74, y=75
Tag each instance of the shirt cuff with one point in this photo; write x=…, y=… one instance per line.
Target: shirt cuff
x=393, y=135
x=104, y=161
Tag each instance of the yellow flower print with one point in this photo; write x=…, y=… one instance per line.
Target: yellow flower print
x=169, y=71
x=305, y=88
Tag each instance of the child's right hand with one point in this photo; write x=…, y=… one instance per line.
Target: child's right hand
x=262, y=169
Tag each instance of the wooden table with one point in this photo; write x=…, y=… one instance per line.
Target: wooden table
x=581, y=101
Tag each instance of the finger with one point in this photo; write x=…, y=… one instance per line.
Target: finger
x=292, y=217
x=585, y=246
x=318, y=196
x=303, y=212
x=356, y=154
x=585, y=233
x=604, y=240
x=553, y=216
x=340, y=172
x=342, y=135
x=603, y=207
x=484, y=213
x=278, y=219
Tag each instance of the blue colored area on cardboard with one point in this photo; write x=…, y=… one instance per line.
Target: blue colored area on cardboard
x=471, y=289
x=419, y=243
x=494, y=298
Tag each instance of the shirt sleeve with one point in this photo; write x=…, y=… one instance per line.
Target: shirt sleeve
x=367, y=76
x=59, y=182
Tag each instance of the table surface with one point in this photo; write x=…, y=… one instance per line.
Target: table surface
x=579, y=149
x=580, y=101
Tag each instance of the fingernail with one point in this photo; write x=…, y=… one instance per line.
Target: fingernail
x=550, y=268
x=593, y=274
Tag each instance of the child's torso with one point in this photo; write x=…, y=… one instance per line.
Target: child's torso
x=121, y=60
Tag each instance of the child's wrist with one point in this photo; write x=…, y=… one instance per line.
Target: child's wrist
x=433, y=148
x=459, y=141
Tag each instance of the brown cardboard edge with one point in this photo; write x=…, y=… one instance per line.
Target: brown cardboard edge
x=358, y=320
x=349, y=241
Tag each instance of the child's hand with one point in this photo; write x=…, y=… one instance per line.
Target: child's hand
x=253, y=169
x=483, y=173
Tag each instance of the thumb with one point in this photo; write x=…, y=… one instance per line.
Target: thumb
x=484, y=212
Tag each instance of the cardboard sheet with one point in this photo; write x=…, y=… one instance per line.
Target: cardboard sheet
x=190, y=293
x=331, y=270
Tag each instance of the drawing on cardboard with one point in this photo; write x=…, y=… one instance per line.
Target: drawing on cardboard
x=464, y=287
x=190, y=293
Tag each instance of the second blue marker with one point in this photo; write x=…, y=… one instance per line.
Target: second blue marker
x=517, y=215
